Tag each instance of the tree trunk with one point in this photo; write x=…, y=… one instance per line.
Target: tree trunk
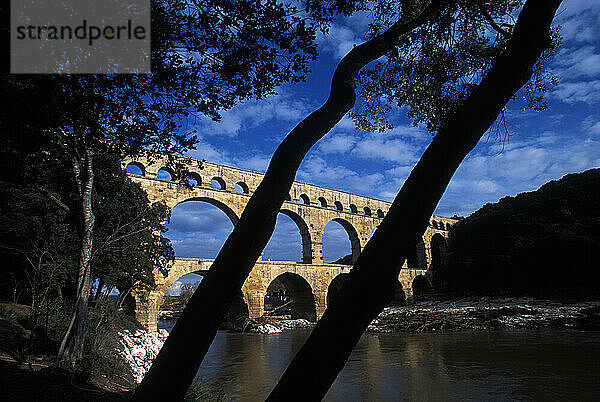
x=73, y=341
x=177, y=363
x=370, y=285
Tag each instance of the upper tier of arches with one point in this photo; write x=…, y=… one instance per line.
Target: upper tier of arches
x=241, y=181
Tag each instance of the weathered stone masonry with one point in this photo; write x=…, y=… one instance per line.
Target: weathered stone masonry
x=310, y=207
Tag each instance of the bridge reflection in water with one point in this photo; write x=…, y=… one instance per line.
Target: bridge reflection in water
x=310, y=283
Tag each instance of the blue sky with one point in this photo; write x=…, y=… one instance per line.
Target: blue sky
x=542, y=146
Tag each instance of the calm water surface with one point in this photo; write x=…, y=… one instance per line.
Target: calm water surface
x=498, y=365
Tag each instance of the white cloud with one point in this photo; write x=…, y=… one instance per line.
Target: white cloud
x=316, y=170
x=380, y=147
x=581, y=91
x=282, y=108
x=337, y=143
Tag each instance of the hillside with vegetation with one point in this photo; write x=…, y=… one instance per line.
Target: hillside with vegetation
x=541, y=243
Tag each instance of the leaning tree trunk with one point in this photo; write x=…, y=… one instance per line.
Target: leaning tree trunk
x=71, y=346
x=370, y=285
x=178, y=361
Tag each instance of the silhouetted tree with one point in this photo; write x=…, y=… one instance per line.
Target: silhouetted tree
x=468, y=113
x=206, y=56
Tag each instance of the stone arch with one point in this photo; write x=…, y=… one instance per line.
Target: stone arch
x=238, y=311
x=380, y=213
x=434, y=224
x=367, y=211
x=167, y=170
x=421, y=286
x=304, y=233
x=353, y=209
x=242, y=186
x=338, y=206
x=231, y=214
x=194, y=179
x=442, y=225
x=334, y=287
x=352, y=236
x=438, y=250
x=220, y=182
x=300, y=293
x=303, y=199
x=399, y=295
x=322, y=202
x=137, y=165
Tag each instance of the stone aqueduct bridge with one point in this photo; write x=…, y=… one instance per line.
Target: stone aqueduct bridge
x=310, y=282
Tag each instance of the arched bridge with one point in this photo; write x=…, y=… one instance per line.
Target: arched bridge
x=309, y=282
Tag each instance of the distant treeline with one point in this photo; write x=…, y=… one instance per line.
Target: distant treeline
x=542, y=243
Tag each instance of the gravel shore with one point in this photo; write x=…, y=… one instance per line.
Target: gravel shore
x=486, y=314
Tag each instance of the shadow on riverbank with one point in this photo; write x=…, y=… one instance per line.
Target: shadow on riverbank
x=42, y=384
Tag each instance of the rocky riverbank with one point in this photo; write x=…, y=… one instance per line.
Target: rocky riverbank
x=486, y=314
x=139, y=349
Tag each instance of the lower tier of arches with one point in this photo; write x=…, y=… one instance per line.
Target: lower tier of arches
x=305, y=290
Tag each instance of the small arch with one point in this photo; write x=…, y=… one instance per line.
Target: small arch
x=442, y=225
x=367, y=211
x=338, y=206
x=434, y=224
x=334, y=287
x=353, y=209
x=165, y=173
x=241, y=187
x=380, y=213
x=136, y=168
x=217, y=183
x=193, y=179
x=421, y=286
x=303, y=199
x=299, y=293
x=322, y=202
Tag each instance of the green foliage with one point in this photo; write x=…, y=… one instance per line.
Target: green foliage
x=433, y=69
x=535, y=242
x=105, y=320
x=37, y=244
x=128, y=236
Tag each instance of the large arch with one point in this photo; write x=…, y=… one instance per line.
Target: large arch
x=300, y=295
x=417, y=257
x=304, y=233
x=438, y=250
x=233, y=217
x=352, y=236
x=420, y=286
x=334, y=287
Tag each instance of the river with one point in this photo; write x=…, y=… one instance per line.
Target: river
x=478, y=365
